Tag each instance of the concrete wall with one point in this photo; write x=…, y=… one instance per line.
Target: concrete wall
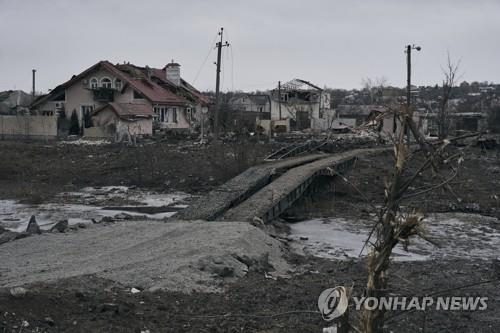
x=32, y=127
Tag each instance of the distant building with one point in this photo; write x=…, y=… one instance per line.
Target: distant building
x=251, y=103
x=303, y=103
x=248, y=110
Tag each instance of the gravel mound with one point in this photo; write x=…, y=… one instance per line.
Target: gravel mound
x=178, y=256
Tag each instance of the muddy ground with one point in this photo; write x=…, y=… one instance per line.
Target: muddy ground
x=254, y=303
x=476, y=189
x=34, y=172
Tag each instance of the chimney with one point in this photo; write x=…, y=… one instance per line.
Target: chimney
x=173, y=72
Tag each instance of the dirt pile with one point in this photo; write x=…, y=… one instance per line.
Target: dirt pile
x=178, y=256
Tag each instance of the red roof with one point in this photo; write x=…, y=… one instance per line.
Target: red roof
x=148, y=88
x=161, y=74
x=128, y=110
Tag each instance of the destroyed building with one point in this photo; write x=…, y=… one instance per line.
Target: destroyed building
x=158, y=98
x=14, y=102
x=301, y=103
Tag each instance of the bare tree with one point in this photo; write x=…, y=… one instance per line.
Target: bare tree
x=374, y=87
x=449, y=81
x=395, y=225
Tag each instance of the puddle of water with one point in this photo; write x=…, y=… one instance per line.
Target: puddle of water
x=458, y=236
x=15, y=216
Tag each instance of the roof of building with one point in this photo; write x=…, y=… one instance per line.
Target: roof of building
x=299, y=84
x=258, y=99
x=162, y=76
x=127, y=110
x=146, y=87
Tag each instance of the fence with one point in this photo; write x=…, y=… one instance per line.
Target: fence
x=28, y=127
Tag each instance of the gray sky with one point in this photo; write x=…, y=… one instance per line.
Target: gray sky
x=333, y=43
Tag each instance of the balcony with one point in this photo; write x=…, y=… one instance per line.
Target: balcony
x=102, y=94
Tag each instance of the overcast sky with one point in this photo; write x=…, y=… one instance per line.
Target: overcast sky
x=333, y=43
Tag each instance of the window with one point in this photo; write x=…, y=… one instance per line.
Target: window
x=137, y=95
x=174, y=115
x=106, y=82
x=161, y=114
x=284, y=97
x=118, y=84
x=93, y=83
x=86, y=111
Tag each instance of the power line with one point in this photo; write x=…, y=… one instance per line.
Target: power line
x=206, y=58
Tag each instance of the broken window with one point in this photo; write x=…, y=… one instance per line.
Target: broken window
x=137, y=95
x=106, y=82
x=118, y=84
x=86, y=112
x=161, y=114
x=174, y=115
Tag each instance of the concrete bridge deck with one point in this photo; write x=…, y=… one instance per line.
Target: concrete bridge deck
x=239, y=188
x=267, y=190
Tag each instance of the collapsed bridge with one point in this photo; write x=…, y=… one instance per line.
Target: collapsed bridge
x=265, y=191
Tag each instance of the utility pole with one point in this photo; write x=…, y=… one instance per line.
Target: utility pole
x=219, y=46
x=408, y=87
x=279, y=98
x=33, y=88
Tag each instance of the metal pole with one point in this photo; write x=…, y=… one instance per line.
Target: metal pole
x=408, y=89
x=202, y=127
x=33, y=89
x=279, y=99
x=217, y=87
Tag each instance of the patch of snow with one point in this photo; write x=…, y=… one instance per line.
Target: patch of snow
x=458, y=236
x=85, y=206
x=84, y=142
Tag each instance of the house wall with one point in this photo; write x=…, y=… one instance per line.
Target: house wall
x=182, y=119
x=289, y=109
x=247, y=104
x=109, y=124
x=33, y=127
x=139, y=127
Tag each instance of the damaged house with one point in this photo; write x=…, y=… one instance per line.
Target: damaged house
x=302, y=104
x=107, y=99
x=14, y=102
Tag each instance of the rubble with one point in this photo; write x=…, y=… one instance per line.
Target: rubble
x=60, y=226
x=33, y=227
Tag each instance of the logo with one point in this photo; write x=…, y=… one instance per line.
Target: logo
x=333, y=302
